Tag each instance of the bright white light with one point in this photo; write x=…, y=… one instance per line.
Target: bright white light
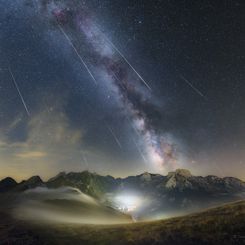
x=127, y=203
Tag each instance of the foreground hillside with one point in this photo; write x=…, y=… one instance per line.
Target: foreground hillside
x=220, y=225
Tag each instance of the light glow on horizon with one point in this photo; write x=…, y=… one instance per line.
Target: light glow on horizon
x=127, y=202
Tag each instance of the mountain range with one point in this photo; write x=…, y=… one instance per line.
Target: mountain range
x=178, y=191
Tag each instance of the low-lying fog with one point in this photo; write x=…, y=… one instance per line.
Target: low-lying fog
x=70, y=205
x=64, y=205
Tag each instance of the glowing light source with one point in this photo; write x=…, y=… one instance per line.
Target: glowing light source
x=127, y=202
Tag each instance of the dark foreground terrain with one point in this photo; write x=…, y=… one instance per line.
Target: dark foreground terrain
x=220, y=225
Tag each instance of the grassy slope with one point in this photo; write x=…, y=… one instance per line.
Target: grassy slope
x=221, y=225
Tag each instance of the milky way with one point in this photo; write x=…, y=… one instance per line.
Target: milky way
x=104, y=61
x=121, y=87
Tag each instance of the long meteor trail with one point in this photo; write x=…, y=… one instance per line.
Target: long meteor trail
x=126, y=60
x=114, y=136
x=18, y=90
x=85, y=160
x=77, y=53
x=139, y=150
x=194, y=88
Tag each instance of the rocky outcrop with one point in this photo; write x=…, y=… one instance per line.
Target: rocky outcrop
x=178, y=180
x=146, y=177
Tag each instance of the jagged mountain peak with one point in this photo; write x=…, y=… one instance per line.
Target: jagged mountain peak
x=97, y=185
x=8, y=180
x=34, y=179
x=7, y=184
x=180, y=172
x=146, y=176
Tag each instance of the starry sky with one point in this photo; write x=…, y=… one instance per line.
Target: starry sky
x=122, y=87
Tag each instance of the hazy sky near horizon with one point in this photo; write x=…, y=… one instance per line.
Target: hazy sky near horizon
x=122, y=87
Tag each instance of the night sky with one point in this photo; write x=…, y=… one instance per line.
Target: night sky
x=122, y=87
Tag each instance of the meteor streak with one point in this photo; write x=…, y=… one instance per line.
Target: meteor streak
x=139, y=150
x=114, y=136
x=192, y=86
x=85, y=160
x=77, y=53
x=127, y=61
x=133, y=127
x=18, y=90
